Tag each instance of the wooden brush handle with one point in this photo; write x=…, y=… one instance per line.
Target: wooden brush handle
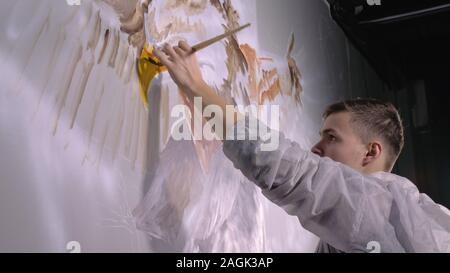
x=211, y=41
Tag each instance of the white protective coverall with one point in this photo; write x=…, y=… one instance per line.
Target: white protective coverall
x=344, y=208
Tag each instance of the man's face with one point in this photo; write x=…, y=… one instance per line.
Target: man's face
x=339, y=141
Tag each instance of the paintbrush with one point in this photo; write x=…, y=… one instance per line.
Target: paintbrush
x=211, y=41
x=148, y=66
x=204, y=44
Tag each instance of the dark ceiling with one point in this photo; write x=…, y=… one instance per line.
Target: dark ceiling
x=402, y=39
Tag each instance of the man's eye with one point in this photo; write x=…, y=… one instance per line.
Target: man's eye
x=331, y=138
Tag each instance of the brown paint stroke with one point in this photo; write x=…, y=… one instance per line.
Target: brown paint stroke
x=125, y=63
x=267, y=77
x=235, y=58
x=67, y=83
x=189, y=6
x=253, y=67
x=271, y=81
x=95, y=35
x=121, y=59
x=93, y=118
x=244, y=93
x=56, y=51
x=271, y=92
x=130, y=65
x=102, y=145
x=114, y=52
x=87, y=69
x=44, y=27
x=229, y=13
x=177, y=26
x=105, y=45
x=294, y=72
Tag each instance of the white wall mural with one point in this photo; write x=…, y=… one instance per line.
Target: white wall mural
x=82, y=157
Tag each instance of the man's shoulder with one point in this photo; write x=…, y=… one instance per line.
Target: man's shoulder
x=407, y=188
x=394, y=179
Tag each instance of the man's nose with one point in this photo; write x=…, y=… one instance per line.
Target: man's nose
x=317, y=149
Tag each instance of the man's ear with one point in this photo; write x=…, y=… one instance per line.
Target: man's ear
x=373, y=152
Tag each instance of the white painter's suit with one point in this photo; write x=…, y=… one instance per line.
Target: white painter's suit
x=349, y=211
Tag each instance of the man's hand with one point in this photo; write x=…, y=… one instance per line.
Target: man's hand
x=183, y=67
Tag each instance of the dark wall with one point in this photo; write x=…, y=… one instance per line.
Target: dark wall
x=411, y=54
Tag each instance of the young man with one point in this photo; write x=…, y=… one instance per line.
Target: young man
x=342, y=190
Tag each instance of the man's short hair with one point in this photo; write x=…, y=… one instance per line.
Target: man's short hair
x=374, y=118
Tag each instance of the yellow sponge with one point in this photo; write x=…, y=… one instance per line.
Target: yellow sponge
x=148, y=66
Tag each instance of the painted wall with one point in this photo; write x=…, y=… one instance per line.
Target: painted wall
x=70, y=184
